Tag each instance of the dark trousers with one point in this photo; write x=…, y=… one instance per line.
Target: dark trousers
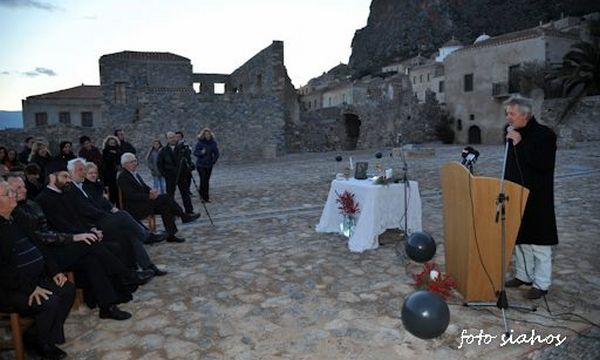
x=97, y=271
x=51, y=314
x=183, y=183
x=121, y=225
x=168, y=209
x=204, y=173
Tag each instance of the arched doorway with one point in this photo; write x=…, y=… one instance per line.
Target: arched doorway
x=352, y=126
x=474, y=135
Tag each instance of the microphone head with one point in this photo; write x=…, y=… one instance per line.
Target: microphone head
x=378, y=155
x=338, y=158
x=510, y=128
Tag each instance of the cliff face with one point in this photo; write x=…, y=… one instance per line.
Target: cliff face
x=404, y=28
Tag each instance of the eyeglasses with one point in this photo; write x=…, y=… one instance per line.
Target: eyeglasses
x=9, y=193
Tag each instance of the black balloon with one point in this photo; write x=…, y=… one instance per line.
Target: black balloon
x=379, y=155
x=425, y=314
x=338, y=158
x=420, y=246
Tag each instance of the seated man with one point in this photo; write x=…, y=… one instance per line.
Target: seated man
x=140, y=200
x=113, y=222
x=94, y=188
x=30, y=281
x=107, y=279
x=64, y=217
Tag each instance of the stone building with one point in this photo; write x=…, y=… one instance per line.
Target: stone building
x=78, y=106
x=480, y=77
x=149, y=93
x=428, y=77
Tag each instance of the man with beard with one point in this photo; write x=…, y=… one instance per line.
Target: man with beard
x=82, y=253
x=112, y=223
x=64, y=217
x=30, y=281
x=140, y=200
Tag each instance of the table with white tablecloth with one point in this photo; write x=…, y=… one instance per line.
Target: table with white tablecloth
x=381, y=208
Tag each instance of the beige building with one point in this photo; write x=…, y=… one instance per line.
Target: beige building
x=79, y=106
x=428, y=77
x=339, y=95
x=480, y=77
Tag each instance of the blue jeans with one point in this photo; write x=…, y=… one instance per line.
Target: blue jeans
x=159, y=183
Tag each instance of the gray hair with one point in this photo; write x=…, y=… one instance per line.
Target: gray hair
x=524, y=104
x=71, y=164
x=127, y=157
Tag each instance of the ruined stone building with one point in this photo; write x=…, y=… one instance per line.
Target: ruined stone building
x=149, y=93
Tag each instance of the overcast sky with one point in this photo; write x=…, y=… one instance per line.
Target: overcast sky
x=52, y=45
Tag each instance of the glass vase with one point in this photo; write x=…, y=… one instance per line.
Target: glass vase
x=347, y=225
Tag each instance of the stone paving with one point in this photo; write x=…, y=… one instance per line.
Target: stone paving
x=262, y=284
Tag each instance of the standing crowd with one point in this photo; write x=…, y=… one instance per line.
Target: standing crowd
x=84, y=214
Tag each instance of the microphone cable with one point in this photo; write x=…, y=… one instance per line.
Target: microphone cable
x=481, y=262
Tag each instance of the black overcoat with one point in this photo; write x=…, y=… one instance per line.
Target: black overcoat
x=531, y=164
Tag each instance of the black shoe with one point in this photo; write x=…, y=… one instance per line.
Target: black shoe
x=515, y=283
x=113, y=312
x=137, y=277
x=157, y=271
x=535, y=293
x=189, y=218
x=155, y=238
x=173, y=238
x=50, y=352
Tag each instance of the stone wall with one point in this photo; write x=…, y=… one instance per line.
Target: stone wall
x=139, y=73
x=386, y=110
x=582, y=123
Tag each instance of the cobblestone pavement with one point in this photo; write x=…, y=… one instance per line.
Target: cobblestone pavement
x=262, y=284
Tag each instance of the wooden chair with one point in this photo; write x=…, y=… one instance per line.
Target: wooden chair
x=13, y=320
x=150, y=219
x=78, y=301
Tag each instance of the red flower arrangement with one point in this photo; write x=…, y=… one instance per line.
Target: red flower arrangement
x=432, y=279
x=347, y=204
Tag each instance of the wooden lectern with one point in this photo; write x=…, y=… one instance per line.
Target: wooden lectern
x=472, y=237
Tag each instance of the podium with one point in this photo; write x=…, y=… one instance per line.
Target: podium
x=472, y=237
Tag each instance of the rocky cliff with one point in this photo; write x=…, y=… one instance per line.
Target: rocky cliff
x=404, y=28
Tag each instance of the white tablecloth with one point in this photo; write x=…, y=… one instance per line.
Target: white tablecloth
x=381, y=208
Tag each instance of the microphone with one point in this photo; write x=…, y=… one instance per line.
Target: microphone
x=509, y=129
x=469, y=156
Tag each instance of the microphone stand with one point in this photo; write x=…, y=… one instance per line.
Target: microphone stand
x=406, y=185
x=502, y=302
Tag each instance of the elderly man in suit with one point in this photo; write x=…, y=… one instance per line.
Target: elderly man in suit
x=30, y=281
x=140, y=200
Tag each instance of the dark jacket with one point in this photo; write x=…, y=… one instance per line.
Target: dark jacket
x=136, y=195
x=60, y=213
x=11, y=279
x=126, y=147
x=206, y=153
x=533, y=167
x=96, y=193
x=93, y=154
x=29, y=214
x=170, y=161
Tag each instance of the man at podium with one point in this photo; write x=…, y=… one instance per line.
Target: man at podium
x=530, y=163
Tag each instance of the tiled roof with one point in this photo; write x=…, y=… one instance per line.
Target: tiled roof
x=145, y=55
x=77, y=92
